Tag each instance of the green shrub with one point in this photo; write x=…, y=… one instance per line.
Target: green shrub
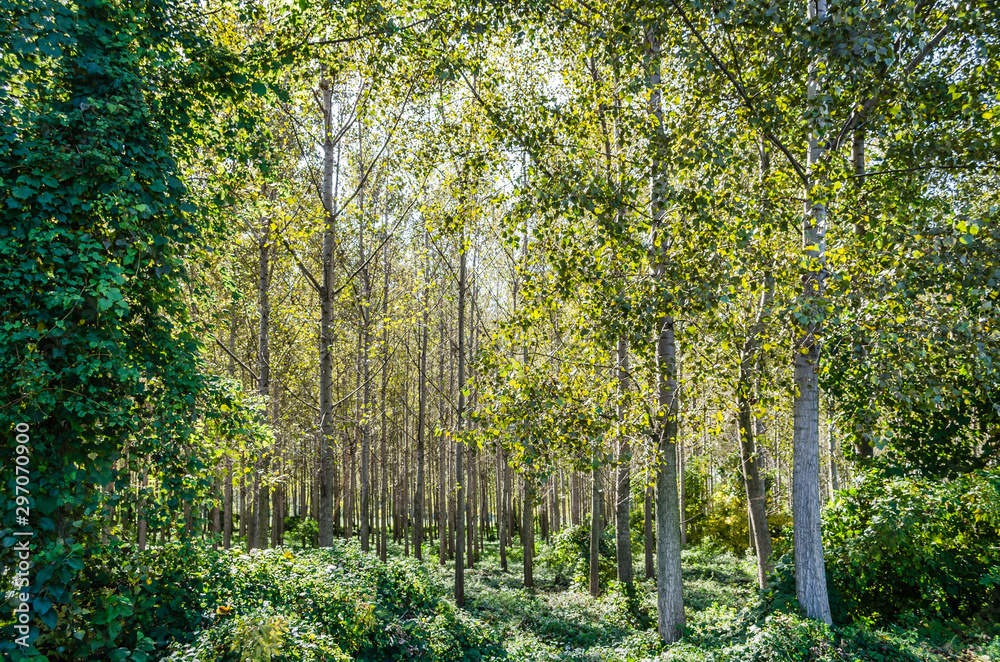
x=195, y=604
x=132, y=608
x=568, y=555
x=302, y=532
x=914, y=545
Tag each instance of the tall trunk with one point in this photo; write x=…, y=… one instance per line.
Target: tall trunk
x=528, y=535
x=595, y=530
x=459, y=442
x=503, y=515
x=681, y=498
x=746, y=394
x=472, y=465
x=366, y=319
x=383, y=551
x=325, y=515
x=227, y=515
x=216, y=516
x=443, y=463
x=261, y=492
x=810, y=575
x=669, y=586
x=405, y=501
x=575, y=506
x=142, y=525
x=832, y=441
x=623, y=496
x=864, y=447
x=418, y=501
x=648, y=531
x=244, y=517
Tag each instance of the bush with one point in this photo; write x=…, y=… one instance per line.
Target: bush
x=129, y=609
x=303, y=532
x=197, y=605
x=568, y=555
x=915, y=545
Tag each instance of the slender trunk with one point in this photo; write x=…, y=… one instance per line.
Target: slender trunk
x=528, y=535
x=263, y=374
x=142, y=524
x=832, y=440
x=595, y=530
x=227, y=516
x=418, y=503
x=365, y=501
x=325, y=514
x=383, y=552
x=459, y=442
x=575, y=506
x=747, y=389
x=753, y=485
x=244, y=518
x=472, y=465
x=810, y=574
x=443, y=463
x=648, y=531
x=681, y=497
x=623, y=496
x=864, y=447
x=503, y=514
x=669, y=586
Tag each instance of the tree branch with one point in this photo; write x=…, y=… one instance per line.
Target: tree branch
x=743, y=94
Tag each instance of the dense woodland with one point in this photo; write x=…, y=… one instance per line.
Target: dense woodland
x=461, y=330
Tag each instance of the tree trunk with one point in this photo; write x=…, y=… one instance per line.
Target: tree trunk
x=528, y=535
x=623, y=496
x=754, y=487
x=575, y=506
x=832, y=440
x=383, y=551
x=418, y=501
x=142, y=525
x=595, y=530
x=503, y=516
x=365, y=314
x=459, y=442
x=648, y=532
x=747, y=389
x=669, y=586
x=263, y=375
x=810, y=574
x=325, y=514
x=227, y=515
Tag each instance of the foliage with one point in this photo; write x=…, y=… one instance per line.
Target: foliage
x=568, y=555
x=915, y=545
x=304, y=532
x=199, y=604
x=98, y=354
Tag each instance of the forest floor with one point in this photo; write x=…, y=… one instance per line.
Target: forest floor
x=727, y=620
x=341, y=604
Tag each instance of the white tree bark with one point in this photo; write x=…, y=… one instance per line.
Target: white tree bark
x=810, y=575
x=669, y=583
